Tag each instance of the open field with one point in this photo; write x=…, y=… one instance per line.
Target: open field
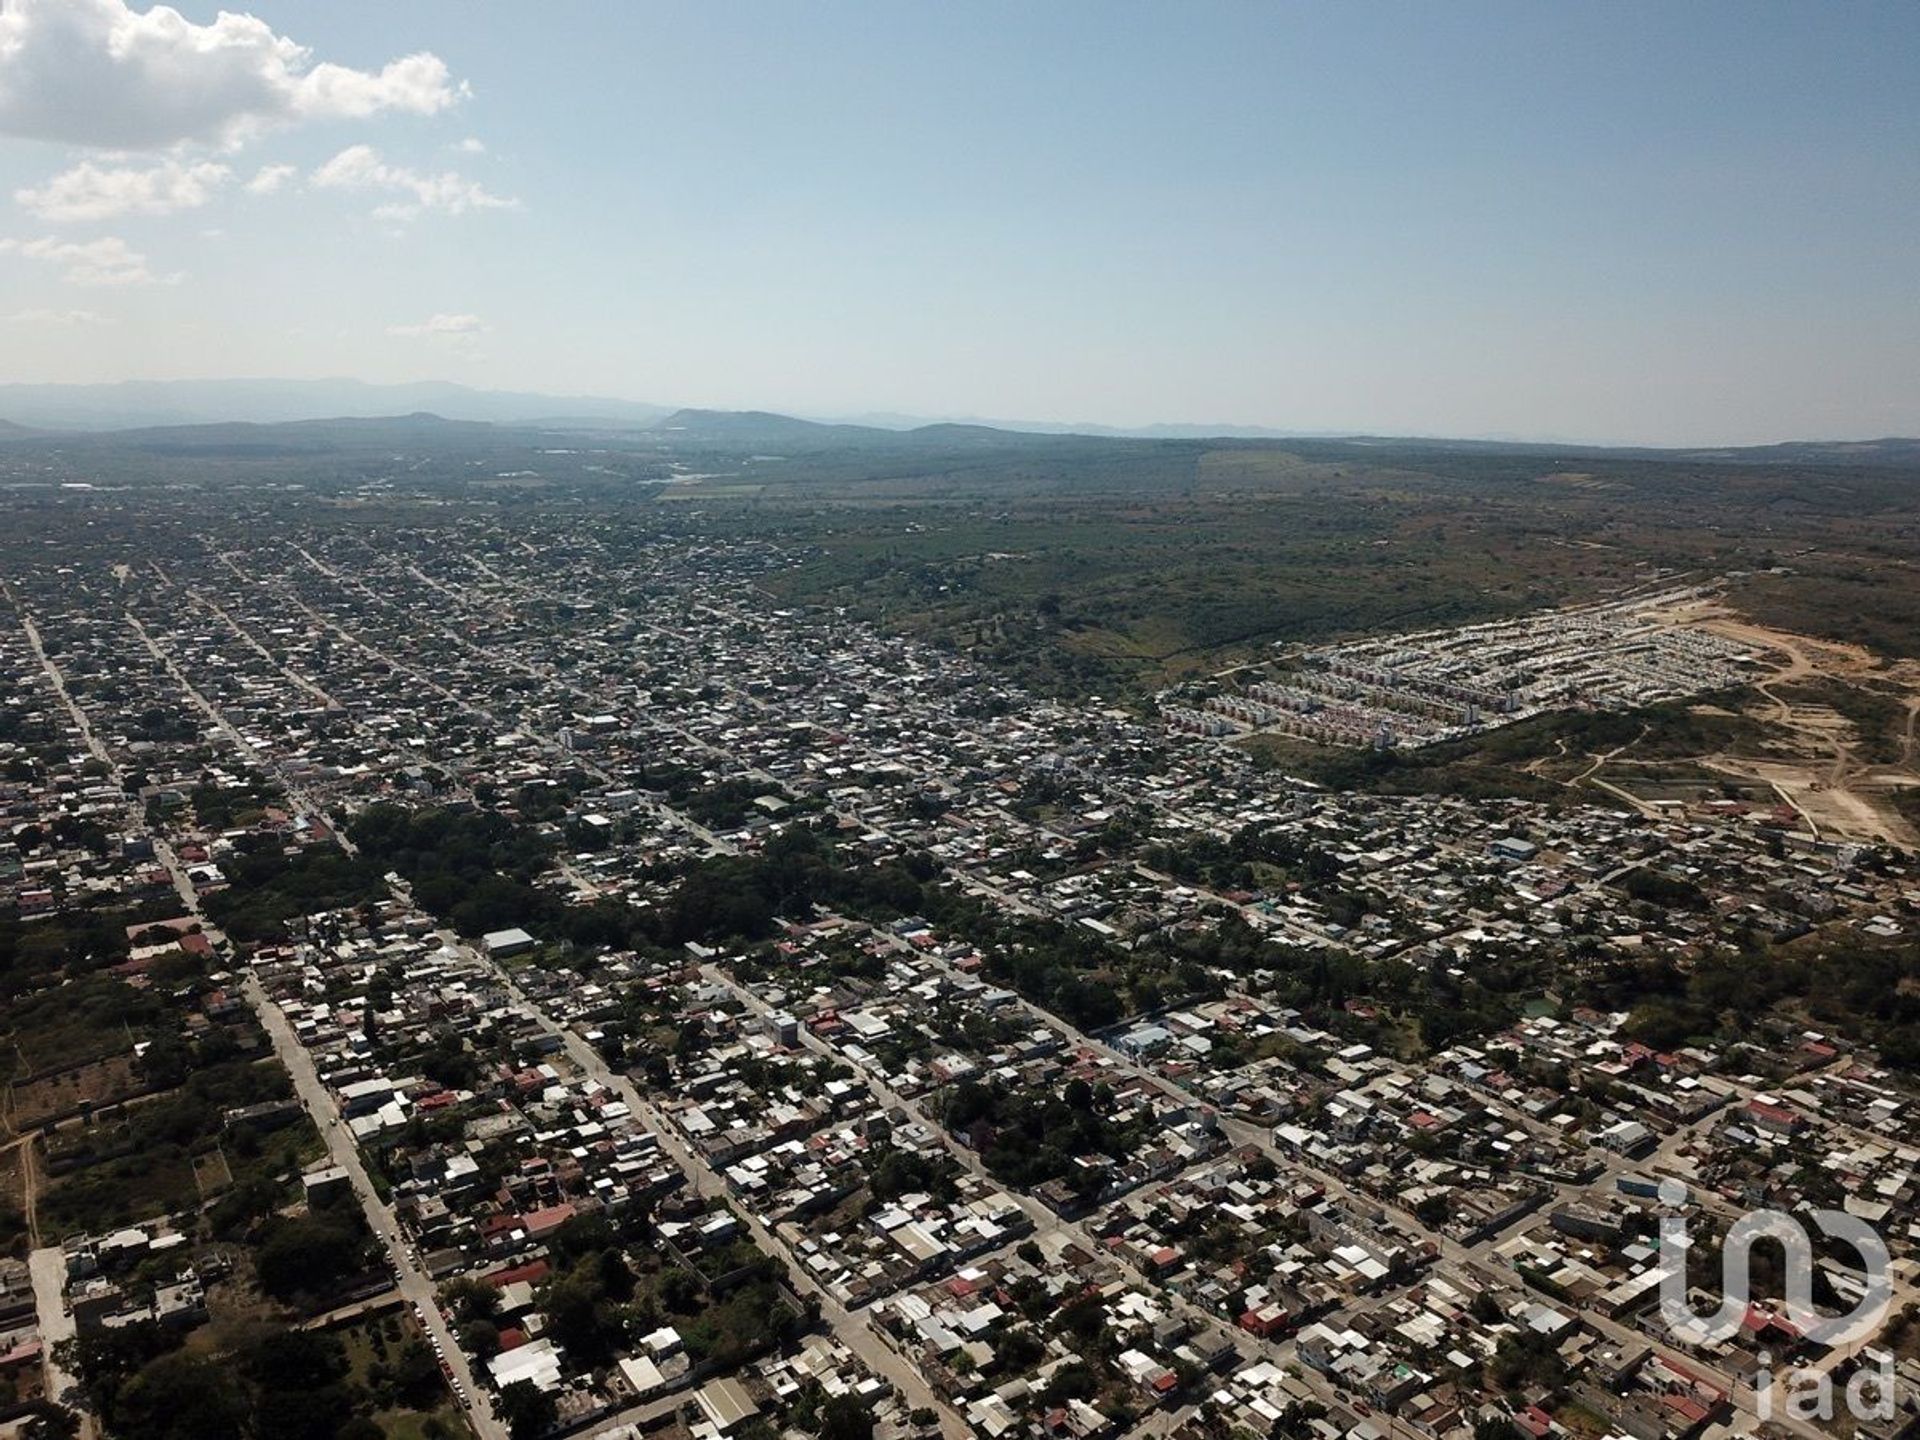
x=211, y=1173
x=1122, y=597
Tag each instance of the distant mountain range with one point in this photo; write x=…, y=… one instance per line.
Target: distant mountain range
x=292, y=415
x=736, y=429
x=134, y=404
x=892, y=420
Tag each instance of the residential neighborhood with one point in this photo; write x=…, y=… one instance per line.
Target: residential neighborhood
x=666, y=1011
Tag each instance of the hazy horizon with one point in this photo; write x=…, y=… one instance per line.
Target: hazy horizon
x=541, y=405
x=1646, y=225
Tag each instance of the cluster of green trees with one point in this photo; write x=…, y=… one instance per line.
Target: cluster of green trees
x=1231, y=864
x=74, y=941
x=1842, y=983
x=288, y=1384
x=831, y=1417
x=721, y=805
x=267, y=887
x=610, y=1285
x=227, y=804
x=64, y=830
x=303, y=1259
x=85, y=1019
x=1663, y=888
x=893, y=1172
x=797, y=870
x=1526, y=1361
x=474, y=868
x=1031, y=1137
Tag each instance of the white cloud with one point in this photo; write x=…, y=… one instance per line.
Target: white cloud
x=442, y=325
x=100, y=73
x=359, y=167
x=93, y=192
x=59, y=319
x=103, y=262
x=269, y=178
x=471, y=146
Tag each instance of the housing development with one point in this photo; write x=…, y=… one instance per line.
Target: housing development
x=1419, y=689
x=618, y=1002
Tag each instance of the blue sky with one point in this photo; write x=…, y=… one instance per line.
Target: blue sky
x=1651, y=223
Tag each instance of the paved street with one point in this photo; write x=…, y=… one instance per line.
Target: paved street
x=48, y=1267
x=851, y=1329
x=414, y=1285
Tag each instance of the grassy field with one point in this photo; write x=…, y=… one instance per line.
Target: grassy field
x=374, y=1346
x=168, y=1153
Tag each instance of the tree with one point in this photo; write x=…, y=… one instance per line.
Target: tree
x=308, y=1255
x=1526, y=1361
x=470, y=1299
x=530, y=1412
x=1076, y=1380
x=412, y=1379
x=679, y=1290
x=302, y=1414
x=576, y=1317
x=181, y=1397
x=108, y=1359
x=844, y=1417
x=51, y=1422
x=296, y=1360
x=582, y=1235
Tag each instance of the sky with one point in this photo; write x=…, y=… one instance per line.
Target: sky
x=1649, y=223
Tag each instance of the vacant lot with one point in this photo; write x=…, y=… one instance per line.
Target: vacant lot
x=96, y=1083
x=1839, y=719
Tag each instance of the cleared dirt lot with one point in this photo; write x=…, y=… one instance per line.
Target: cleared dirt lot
x=1815, y=758
x=98, y=1083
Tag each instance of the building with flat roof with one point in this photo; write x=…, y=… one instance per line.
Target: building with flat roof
x=499, y=943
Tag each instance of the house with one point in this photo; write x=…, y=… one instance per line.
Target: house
x=1775, y=1119
x=726, y=1405
x=642, y=1374
x=536, y=1362
x=325, y=1182
x=1628, y=1137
